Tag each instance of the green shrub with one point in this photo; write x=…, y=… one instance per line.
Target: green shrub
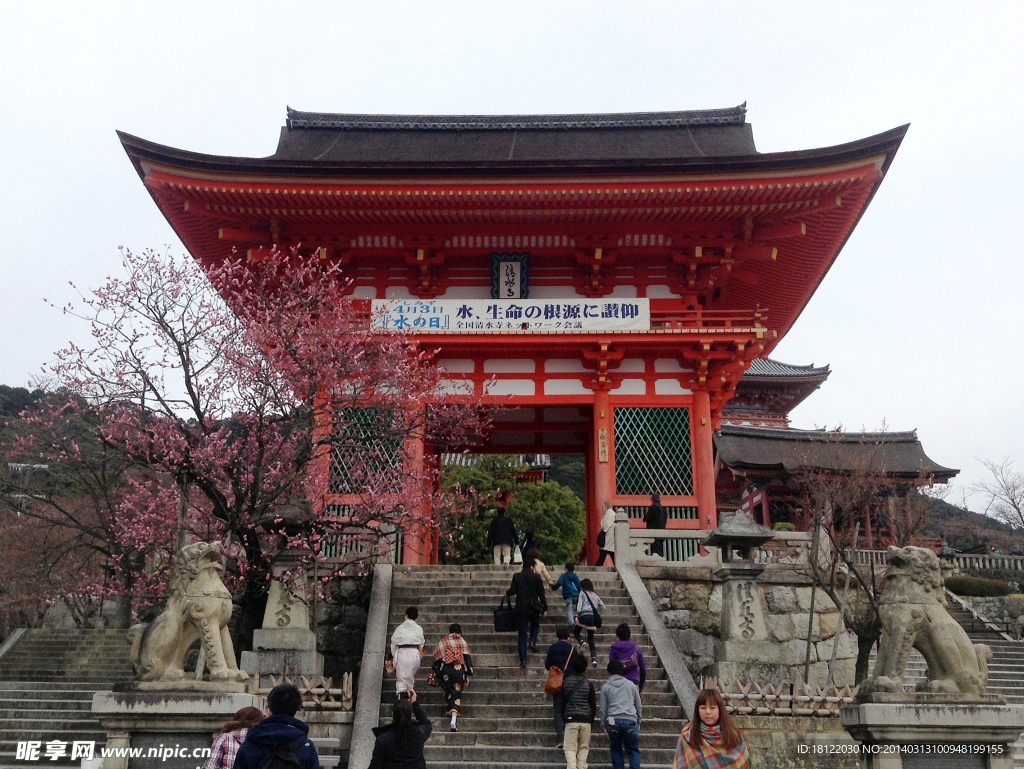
x=977, y=586
x=784, y=526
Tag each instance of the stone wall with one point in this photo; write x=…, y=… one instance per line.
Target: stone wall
x=690, y=603
x=1007, y=611
x=786, y=741
x=341, y=626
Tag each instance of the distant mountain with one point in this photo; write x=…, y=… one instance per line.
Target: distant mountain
x=968, y=531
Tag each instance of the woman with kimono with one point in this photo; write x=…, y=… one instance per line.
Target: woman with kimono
x=453, y=666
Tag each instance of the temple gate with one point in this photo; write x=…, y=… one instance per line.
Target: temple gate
x=603, y=280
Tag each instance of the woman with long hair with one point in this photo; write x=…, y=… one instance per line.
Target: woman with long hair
x=711, y=741
x=232, y=735
x=400, y=744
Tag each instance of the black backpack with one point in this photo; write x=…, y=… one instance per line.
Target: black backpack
x=285, y=755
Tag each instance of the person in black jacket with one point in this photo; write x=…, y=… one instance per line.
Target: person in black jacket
x=655, y=518
x=502, y=537
x=579, y=707
x=531, y=605
x=559, y=653
x=400, y=744
x=281, y=733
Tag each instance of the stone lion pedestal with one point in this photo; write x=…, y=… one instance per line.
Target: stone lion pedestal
x=950, y=721
x=170, y=727
x=912, y=731
x=168, y=716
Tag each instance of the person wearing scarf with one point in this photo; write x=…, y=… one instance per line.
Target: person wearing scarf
x=453, y=665
x=711, y=741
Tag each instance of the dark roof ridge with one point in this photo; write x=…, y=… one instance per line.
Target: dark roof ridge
x=769, y=368
x=683, y=118
x=820, y=436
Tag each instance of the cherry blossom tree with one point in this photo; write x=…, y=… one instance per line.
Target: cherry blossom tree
x=234, y=389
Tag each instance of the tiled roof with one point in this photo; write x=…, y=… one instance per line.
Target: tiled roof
x=631, y=137
x=773, y=369
x=765, y=449
x=326, y=120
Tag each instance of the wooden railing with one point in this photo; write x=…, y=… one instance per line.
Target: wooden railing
x=703, y=319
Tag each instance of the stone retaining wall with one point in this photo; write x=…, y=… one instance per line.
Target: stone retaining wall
x=783, y=742
x=1007, y=611
x=690, y=603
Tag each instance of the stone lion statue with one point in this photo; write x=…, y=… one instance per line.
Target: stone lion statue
x=913, y=614
x=198, y=608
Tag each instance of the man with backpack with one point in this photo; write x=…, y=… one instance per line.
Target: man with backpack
x=280, y=741
x=570, y=585
x=579, y=708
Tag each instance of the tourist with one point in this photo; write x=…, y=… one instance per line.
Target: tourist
x=453, y=665
x=655, y=518
x=589, y=608
x=279, y=734
x=400, y=744
x=232, y=735
x=502, y=537
x=559, y=654
x=570, y=585
x=630, y=655
x=531, y=605
x=578, y=711
x=621, y=713
x=711, y=739
x=528, y=543
x=605, y=542
x=538, y=566
x=407, y=649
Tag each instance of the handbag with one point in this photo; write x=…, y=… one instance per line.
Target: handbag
x=601, y=539
x=389, y=665
x=505, y=620
x=597, y=615
x=555, y=676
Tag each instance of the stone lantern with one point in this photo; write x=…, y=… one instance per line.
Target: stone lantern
x=286, y=644
x=744, y=639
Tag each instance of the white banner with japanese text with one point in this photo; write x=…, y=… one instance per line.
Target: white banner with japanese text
x=481, y=316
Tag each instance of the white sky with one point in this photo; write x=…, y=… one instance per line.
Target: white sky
x=920, y=318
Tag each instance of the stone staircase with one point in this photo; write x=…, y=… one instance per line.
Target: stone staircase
x=47, y=680
x=507, y=718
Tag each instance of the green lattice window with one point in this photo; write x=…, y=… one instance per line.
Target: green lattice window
x=366, y=450
x=652, y=451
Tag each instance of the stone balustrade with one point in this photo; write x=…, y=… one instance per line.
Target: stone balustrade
x=796, y=699
x=791, y=547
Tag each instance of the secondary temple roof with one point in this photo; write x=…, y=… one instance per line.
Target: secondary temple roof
x=767, y=451
x=766, y=368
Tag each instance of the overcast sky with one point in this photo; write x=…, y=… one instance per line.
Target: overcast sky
x=920, y=318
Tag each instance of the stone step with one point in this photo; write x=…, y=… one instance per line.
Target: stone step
x=440, y=755
x=507, y=712
x=536, y=698
x=544, y=738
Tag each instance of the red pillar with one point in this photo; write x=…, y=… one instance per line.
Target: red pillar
x=704, y=461
x=601, y=485
x=416, y=542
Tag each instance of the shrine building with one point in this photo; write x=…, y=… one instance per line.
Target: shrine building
x=605, y=280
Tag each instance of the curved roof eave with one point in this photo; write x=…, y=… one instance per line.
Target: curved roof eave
x=142, y=151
